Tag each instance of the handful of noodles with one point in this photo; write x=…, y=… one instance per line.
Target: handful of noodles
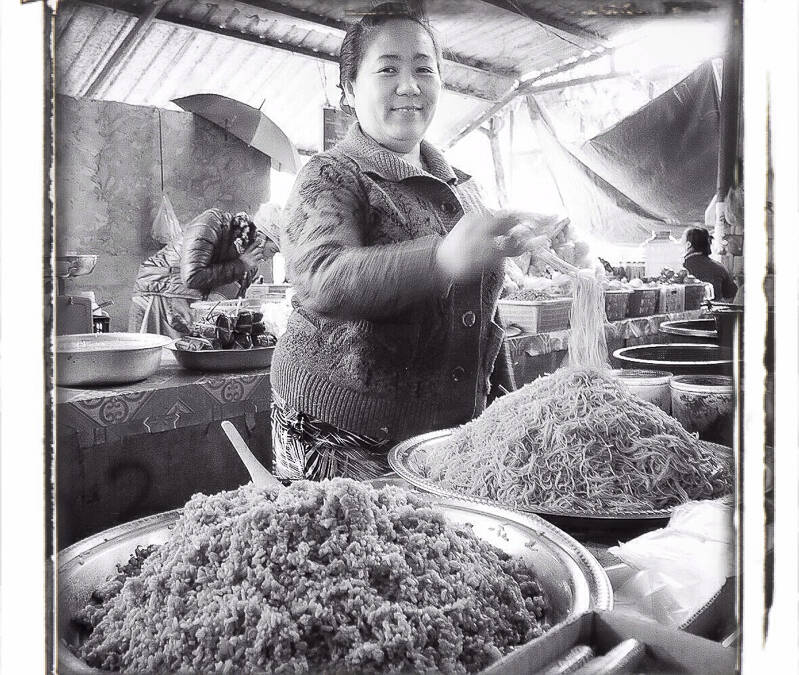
x=579, y=439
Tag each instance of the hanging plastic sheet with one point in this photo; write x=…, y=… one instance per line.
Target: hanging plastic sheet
x=658, y=166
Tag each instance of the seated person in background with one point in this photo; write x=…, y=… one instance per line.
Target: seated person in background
x=697, y=261
x=216, y=259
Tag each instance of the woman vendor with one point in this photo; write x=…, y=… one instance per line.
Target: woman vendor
x=698, y=262
x=217, y=258
x=397, y=267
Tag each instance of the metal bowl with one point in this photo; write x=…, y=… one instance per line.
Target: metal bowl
x=91, y=359
x=223, y=360
x=678, y=358
x=70, y=265
x=572, y=578
x=690, y=330
x=409, y=460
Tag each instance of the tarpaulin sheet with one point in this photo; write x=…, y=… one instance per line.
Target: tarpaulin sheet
x=658, y=166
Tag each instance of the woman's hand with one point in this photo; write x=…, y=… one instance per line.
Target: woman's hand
x=480, y=240
x=254, y=254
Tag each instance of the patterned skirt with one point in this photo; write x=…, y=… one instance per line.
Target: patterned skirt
x=307, y=448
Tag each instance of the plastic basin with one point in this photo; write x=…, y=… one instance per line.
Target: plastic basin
x=705, y=404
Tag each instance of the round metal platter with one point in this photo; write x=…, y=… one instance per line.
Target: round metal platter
x=572, y=578
x=409, y=460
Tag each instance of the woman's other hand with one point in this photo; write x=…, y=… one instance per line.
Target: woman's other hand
x=480, y=240
x=254, y=254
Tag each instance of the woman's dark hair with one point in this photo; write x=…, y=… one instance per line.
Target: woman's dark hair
x=699, y=239
x=356, y=39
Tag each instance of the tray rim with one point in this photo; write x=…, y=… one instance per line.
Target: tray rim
x=600, y=589
x=219, y=367
x=399, y=451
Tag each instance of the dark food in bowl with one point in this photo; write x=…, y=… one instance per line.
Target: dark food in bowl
x=318, y=577
x=241, y=329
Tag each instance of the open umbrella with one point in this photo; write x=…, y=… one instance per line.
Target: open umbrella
x=247, y=123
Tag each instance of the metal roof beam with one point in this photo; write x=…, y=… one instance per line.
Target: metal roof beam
x=521, y=88
x=545, y=18
x=275, y=44
x=312, y=21
x=125, y=48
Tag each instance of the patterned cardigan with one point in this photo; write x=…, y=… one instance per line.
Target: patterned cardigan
x=380, y=343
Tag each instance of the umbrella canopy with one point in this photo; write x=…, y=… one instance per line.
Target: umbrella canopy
x=247, y=123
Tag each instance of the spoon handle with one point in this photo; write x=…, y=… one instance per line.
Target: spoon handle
x=258, y=472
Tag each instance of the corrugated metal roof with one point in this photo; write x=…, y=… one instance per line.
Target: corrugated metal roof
x=217, y=46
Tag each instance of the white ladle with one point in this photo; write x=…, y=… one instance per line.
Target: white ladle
x=260, y=475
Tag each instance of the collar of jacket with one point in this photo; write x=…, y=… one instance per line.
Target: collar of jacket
x=371, y=157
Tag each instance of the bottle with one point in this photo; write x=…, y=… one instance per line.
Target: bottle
x=662, y=250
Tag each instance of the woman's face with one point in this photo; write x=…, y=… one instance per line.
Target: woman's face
x=396, y=89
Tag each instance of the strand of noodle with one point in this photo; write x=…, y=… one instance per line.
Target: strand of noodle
x=588, y=345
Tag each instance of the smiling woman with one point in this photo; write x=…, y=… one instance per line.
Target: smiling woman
x=397, y=267
x=394, y=87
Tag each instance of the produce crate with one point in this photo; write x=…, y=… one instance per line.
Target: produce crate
x=643, y=302
x=210, y=308
x=672, y=299
x=667, y=650
x=256, y=291
x=616, y=304
x=694, y=295
x=536, y=316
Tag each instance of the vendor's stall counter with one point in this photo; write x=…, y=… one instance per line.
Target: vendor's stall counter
x=137, y=449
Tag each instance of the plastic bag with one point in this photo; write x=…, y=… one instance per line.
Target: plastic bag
x=166, y=227
x=678, y=569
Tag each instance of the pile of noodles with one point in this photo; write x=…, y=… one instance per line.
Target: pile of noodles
x=579, y=439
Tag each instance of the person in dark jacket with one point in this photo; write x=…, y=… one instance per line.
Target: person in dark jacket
x=217, y=256
x=397, y=267
x=698, y=262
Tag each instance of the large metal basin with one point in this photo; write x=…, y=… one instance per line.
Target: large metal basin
x=572, y=578
x=702, y=331
x=91, y=359
x=678, y=358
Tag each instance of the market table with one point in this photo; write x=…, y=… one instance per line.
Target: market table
x=542, y=353
x=127, y=451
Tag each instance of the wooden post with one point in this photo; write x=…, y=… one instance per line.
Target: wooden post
x=730, y=108
x=728, y=126
x=496, y=154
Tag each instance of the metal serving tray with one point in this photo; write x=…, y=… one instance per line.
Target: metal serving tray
x=223, y=360
x=572, y=578
x=408, y=459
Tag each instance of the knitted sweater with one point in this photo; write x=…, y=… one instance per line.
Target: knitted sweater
x=706, y=269
x=379, y=343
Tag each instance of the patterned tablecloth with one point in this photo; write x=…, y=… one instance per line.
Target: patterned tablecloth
x=547, y=343
x=171, y=398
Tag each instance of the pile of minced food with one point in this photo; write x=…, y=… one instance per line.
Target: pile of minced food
x=330, y=577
